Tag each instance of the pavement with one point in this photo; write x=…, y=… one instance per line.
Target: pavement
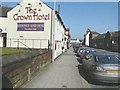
x=63, y=73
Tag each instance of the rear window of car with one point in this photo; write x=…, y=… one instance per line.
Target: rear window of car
x=107, y=59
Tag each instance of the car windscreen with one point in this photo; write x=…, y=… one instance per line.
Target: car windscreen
x=107, y=59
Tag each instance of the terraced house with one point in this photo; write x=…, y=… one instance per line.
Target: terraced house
x=108, y=40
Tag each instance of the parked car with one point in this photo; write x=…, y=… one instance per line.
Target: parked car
x=80, y=51
x=84, y=51
x=76, y=47
x=102, y=67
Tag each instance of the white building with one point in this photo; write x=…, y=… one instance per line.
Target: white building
x=59, y=35
x=30, y=25
x=2, y=31
x=75, y=41
x=3, y=26
x=87, y=39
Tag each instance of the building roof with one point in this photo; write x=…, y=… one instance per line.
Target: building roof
x=115, y=34
x=4, y=10
x=100, y=36
x=56, y=12
x=94, y=32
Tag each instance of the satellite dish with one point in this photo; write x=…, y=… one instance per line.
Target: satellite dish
x=1, y=30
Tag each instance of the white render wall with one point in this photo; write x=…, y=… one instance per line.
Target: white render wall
x=87, y=39
x=31, y=39
x=59, y=35
x=65, y=42
x=3, y=23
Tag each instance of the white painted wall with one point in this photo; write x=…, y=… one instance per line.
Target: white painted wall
x=65, y=42
x=3, y=26
x=28, y=36
x=87, y=42
x=59, y=35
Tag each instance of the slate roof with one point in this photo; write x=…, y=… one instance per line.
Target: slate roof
x=56, y=12
x=100, y=36
x=4, y=10
x=115, y=34
x=94, y=32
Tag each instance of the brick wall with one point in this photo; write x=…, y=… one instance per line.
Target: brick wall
x=21, y=68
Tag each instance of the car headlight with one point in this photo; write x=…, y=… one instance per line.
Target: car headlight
x=81, y=51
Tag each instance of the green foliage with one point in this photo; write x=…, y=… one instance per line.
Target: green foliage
x=8, y=51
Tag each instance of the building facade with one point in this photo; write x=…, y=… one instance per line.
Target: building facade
x=3, y=25
x=108, y=41
x=89, y=36
x=30, y=25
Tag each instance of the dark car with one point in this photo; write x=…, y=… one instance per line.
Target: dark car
x=102, y=67
x=80, y=50
x=76, y=47
x=83, y=52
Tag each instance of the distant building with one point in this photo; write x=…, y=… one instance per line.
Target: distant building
x=94, y=34
x=67, y=38
x=75, y=41
x=108, y=41
x=115, y=37
x=98, y=41
x=88, y=36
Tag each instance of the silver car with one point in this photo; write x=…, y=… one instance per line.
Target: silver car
x=102, y=67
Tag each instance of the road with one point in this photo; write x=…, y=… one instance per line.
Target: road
x=65, y=72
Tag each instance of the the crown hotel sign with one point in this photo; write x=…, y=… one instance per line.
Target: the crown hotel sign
x=31, y=14
x=30, y=27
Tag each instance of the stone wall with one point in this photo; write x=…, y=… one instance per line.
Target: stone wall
x=21, y=68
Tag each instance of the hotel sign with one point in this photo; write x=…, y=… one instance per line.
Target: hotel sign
x=31, y=14
x=30, y=27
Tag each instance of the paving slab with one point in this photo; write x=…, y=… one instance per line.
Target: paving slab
x=63, y=73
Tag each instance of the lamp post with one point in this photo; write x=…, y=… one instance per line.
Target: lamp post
x=53, y=33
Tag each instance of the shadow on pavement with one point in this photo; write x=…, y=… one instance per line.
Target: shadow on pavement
x=89, y=80
x=77, y=55
x=79, y=60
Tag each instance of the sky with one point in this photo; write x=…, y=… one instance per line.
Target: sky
x=78, y=16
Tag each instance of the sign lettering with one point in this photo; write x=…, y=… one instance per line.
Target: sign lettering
x=30, y=26
x=31, y=15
